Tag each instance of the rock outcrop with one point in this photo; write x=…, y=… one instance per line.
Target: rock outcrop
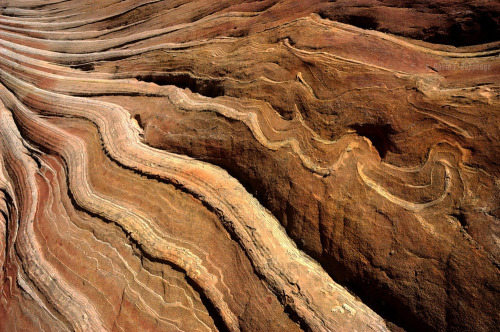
x=249, y=165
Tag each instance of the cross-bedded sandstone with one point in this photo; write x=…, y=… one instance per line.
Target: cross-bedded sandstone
x=249, y=165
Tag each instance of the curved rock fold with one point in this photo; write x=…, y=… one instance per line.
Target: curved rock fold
x=249, y=166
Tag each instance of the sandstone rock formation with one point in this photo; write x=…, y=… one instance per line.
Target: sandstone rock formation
x=249, y=165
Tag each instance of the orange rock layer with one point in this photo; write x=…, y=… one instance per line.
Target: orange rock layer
x=249, y=166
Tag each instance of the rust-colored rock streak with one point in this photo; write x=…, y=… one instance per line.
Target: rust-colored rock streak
x=249, y=165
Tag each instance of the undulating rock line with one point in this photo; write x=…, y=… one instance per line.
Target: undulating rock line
x=233, y=165
x=247, y=219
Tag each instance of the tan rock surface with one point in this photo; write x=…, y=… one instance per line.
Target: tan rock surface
x=249, y=165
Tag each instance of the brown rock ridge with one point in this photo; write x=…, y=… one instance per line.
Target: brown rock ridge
x=249, y=165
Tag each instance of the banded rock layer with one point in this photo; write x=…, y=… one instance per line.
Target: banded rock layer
x=249, y=166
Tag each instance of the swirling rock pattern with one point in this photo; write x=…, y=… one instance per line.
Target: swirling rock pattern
x=249, y=165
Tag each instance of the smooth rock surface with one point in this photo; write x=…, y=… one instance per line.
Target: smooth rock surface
x=249, y=165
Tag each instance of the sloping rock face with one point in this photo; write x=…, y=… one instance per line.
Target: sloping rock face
x=249, y=165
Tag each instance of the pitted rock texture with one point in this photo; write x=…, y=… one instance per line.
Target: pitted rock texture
x=249, y=165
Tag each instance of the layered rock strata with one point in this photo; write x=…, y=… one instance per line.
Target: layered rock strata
x=249, y=166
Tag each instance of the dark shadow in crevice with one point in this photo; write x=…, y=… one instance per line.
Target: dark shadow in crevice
x=360, y=21
x=204, y=86
x=379, y=135
x=461, y=218
x=84, y=66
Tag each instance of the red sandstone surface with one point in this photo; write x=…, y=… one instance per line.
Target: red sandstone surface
x=249, y=165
